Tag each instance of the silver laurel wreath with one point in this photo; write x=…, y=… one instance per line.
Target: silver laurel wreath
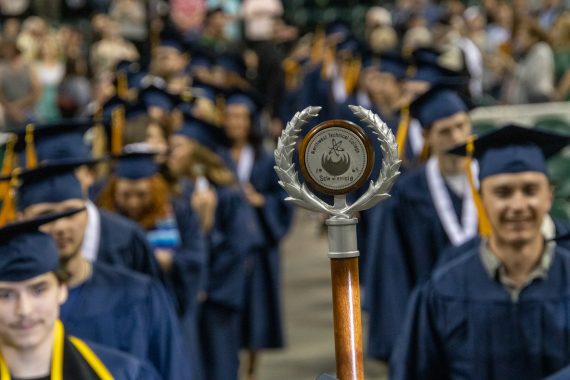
x=300, y=195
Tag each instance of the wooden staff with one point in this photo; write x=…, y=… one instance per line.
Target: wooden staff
x=343, y=253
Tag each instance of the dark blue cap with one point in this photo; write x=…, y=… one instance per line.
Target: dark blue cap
x=137, y=162
x=514, y=149
x=248, y=98
x=350, y=45
x=338, y=28
x=202, y=132
x=388, y=62
x=25, y=252
x=232, y=62
x=429, y=68
x=170, y=39
x=437, y=103
x=153, y=96
x=61, y=140
x=48, y=183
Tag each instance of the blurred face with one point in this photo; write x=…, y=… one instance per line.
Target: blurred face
x=167, y=60
x=516, y=205
x=180, y=158
x=67, y=232
x=237, y=123
x=133, y=197
x=447, y=133
x=381, y=84
x=28, y=311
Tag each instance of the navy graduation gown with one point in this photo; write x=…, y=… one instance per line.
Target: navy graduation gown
x=123, y=366
x=406, y=239
x=462, y=324
x=122, y=242
x=187, y=276
x=232, y=238
x=262, y=320
x=129, y=312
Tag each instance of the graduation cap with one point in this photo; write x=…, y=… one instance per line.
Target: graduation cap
x=25, y=252
x=59, y=141
x=513, y=149
x=169, y=38
x=47, y=183
x=437, y=67
x=389, y=62
x=437, y=103
x=338, y=28
x=248, y=98
x=232, y=62
x=137, y=162
x=200, y=56
x=201, y=131
x=153, y=96
x=510, y=149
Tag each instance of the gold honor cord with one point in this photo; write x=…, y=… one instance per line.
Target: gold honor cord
x=484, y=224
x=94, y=362
x=31, y=157
x=57, y=357
x=402, y=133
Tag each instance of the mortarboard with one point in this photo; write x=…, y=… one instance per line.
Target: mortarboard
x=388, y=62
x=59, y=141
x=510, y=149
x=202, y=132
x=338, y=28
x=437, y=103
x=431, y=66
x=25, y=252
x=513, y=149
x=137, y=162
x=153, y=96
x=248, y=98
x=232, y=62
x=170, y=38
x=47, y=183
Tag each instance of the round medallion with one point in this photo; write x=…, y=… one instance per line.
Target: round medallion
x=336, y=157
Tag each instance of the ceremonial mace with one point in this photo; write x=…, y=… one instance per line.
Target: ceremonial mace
x=336, y=158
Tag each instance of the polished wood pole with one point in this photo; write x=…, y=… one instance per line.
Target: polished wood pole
x=343, y=253
x=347, y=320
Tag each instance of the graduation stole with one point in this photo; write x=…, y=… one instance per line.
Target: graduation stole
x=457, y=233
x=71, y=359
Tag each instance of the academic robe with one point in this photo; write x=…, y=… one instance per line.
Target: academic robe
x=123, y=243
x=406, y=239
x=187, y=277
x=462, y=324
x=232, y=238
x=130, y=312
x=563, y=374
x=123, y=366
x=262, y=318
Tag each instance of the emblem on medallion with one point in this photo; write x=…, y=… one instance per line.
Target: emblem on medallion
x=336, y=157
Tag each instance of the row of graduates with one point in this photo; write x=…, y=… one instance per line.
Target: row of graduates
x=174, y=255
x=465, y=283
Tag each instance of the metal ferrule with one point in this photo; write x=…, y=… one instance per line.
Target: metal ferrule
x=342, y=238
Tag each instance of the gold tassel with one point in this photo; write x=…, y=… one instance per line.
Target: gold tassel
x=122, y=85
x=117, y=127
x=318, y=46
x=31, y=157
x=484, y=224
x=291, y=70
x=7, y=166
x=402, y=133
x=352, y=75
x=8, y=212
